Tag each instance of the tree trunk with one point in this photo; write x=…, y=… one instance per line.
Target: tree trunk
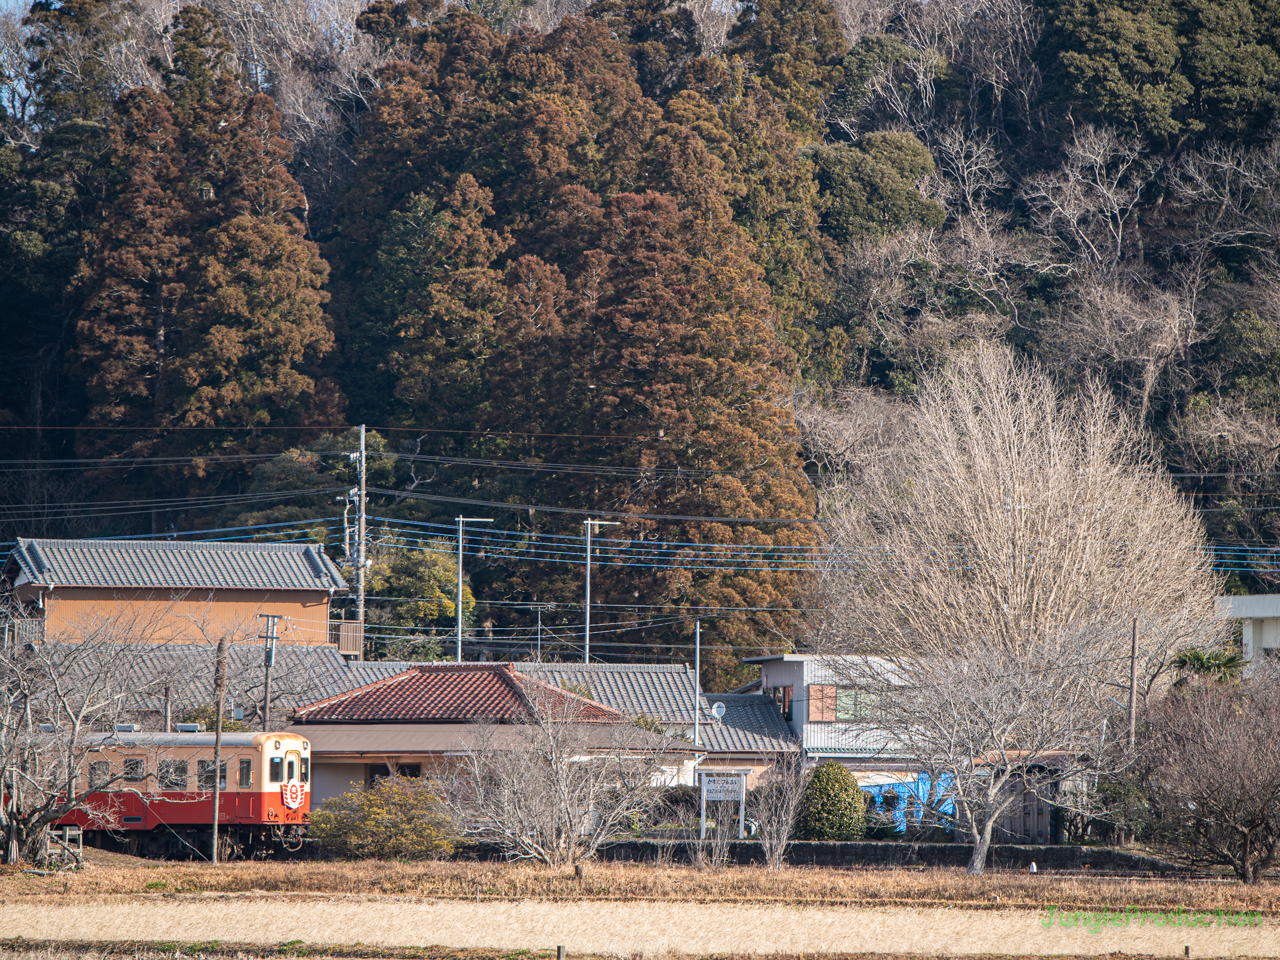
x=981, y=844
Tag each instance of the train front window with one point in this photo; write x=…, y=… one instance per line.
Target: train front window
x=306, y=769
x=99, y=774
x=290, y=774
x=135, y=770
x=277, y=769
x=246, y=774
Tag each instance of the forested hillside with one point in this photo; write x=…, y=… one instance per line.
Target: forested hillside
x=667, y=262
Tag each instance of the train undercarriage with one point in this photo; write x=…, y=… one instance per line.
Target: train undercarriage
x=195, y=843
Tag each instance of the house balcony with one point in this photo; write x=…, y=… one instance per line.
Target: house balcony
x=347, y=637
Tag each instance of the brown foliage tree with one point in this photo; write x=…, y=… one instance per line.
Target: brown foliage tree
x=202, y=306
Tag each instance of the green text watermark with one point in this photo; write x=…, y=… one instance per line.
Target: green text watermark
x=1094, y=920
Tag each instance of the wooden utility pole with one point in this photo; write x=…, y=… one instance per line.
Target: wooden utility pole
x=268, y=661
x=1133, y=684
x=360, y=541
x=219, y=694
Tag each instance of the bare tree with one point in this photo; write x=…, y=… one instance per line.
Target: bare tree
x=982, y=584
x=851, y=431
x=17, y=83
x=545, y=15
x=1234, y=192
x=714, y=19
x=1138, y=334
x=1213, y=771
x=553, y=788
x=862, y=18
x=1088, y=205
x=774, y=805
x=56, y=699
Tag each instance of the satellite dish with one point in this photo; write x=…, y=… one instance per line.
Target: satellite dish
x=717, y=710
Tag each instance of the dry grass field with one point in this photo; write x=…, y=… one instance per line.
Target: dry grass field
x=218, y=951
x=486, y=911
x=642, y=882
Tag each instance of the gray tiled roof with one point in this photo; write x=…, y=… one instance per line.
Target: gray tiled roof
x=300, y=675
x=175, y=564
x=661, y=691
x=752, y=723
x=303, y=675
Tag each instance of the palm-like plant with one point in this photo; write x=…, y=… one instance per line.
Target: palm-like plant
x=1219, y=665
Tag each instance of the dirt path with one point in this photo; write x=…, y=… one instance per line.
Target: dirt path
x=609, y=928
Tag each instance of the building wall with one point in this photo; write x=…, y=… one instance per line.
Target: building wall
x=334, y=779
x=789, y=673
x=756, y=767
x=183, y=616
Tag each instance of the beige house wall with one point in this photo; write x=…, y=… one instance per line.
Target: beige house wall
x=182, y=616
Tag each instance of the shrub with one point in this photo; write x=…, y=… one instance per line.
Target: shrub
x=833, y=807
x=396, y=818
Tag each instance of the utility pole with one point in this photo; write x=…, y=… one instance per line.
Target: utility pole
x=361, y=562
x=1133, y=685
x=539, y=654
x=586, y=646
x=219, y=695
x=268, y=661
x=458, y=607
x=697, y=681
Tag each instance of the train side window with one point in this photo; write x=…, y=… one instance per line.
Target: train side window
x=204, y=775
x=246, y=774
x=173, y=775
x=99, y=774
x=277, y=769
x=135, y=770
x=306, y=769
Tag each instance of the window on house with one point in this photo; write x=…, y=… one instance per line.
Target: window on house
x=246, y=774
x=173, y=775
x=99, y=774
x=135, y=770
x=380, y=771
x=204, y=775
x=277, y=769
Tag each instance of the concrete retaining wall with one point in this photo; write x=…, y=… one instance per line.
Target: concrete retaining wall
x=892, y=854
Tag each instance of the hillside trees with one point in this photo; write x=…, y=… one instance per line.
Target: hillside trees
x=202, y=303
x=628, y=328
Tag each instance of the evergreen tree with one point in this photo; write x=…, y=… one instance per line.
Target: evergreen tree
x=202, y=305
x=796, y=49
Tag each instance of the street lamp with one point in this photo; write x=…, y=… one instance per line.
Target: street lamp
x=586, y=647
x=461, y=521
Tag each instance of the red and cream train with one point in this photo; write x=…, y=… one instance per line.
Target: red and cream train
x=153, y=794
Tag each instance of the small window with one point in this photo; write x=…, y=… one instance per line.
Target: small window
x=246, y=774
x=277, y=769
x=135, y=770
x=99, y=774
x=173, y=775
x=847, y=704
x=204, y=775
x=291, y=774
x=306, y=769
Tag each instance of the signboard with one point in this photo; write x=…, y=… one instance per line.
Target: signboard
x=725, y=786
x=293, y=794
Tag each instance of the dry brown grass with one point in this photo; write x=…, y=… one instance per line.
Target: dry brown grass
x=631, y=882
x=23, y=950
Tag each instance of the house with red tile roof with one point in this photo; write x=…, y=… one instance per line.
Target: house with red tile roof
x=415, y=720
